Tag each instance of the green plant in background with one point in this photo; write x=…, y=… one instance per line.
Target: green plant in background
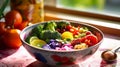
x=82, y=4
x=99, y=4
x=3, y=8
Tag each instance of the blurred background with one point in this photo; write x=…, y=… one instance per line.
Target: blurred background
x=106, y=7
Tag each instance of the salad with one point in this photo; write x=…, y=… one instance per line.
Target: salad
x=61, y=35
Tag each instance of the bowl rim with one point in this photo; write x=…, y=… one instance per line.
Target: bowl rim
x=85, y=24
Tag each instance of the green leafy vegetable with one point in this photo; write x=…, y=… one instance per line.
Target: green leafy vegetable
x=62, y=24
x=47, y=35
x=50, y=26
x=46, y=31
x=37, y=30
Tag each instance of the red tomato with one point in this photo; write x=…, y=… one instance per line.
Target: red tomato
x=72, y=29
x=22, y=25
x=68, y=27
x=11, y=38
x=90, y=40
x=13, y=18
x=2, y=28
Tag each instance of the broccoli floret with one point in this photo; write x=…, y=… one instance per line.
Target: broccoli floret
x=56, y=35
x=28, y=39
x=47, y=35
x=50, y=26
x=62, y=24
x=37, y=30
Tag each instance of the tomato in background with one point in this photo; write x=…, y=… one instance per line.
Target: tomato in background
x=11, y=38
x=13, y=18
x=2, y=28
x=22, y=25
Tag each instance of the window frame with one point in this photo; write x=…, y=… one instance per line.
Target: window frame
x=51, y=5
x=82, y=13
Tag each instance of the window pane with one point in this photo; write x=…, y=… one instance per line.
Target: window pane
x=108, y=7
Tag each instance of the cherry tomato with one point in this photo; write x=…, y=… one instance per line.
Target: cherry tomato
x=11, y=38
x=13, y=18
x=74, y=30
x=90, y=40
x=68, y=27
x=2, y=28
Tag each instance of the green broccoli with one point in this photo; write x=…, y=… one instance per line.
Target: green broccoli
x=47, y=35
x=28, y=39
x=50, y=26
x=37, y=30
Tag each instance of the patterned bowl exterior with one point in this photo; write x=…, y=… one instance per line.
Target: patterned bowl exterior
x=52, y=57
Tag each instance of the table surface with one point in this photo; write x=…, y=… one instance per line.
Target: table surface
x=21, y=58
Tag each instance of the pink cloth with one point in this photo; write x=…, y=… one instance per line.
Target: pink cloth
x=15, y=57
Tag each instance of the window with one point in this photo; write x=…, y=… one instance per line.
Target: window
x=105, y=9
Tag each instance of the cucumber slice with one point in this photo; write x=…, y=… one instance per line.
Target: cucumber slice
x=37, y=42
x=31, y=38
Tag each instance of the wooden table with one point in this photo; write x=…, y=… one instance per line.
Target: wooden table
x=21, y=58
